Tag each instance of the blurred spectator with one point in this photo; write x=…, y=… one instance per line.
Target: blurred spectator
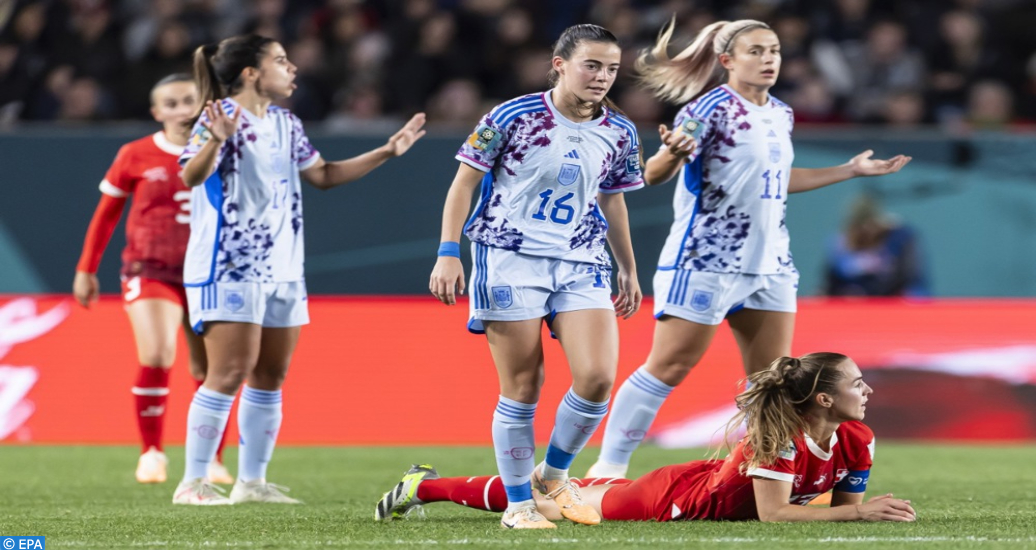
x=961, y=58
x=876, y=255
x=814, y=103
x=456, y=106
x=171, y=53
x=904, y=109
x=884, y=63
x=990, y=105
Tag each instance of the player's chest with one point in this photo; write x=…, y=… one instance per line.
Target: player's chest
x=268, y=141
x=157, y=176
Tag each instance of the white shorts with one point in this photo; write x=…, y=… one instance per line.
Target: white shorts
x=510, y=286
x=707, y=298
x=274, y=305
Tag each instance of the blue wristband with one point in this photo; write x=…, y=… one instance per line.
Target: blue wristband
x=449, y=248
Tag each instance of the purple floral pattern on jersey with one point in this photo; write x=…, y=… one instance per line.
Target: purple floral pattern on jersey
x=491, y=228
x=245, y=247
x=301, y=149
x=591, y=233
x=532, y=133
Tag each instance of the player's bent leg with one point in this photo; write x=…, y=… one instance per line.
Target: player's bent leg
x=762, y=336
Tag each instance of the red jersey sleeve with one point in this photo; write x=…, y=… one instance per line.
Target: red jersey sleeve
x=857, y=447
x=781, y=470
x=118, y=181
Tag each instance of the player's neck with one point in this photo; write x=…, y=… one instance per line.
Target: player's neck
x=253, y=102
x=570, y=106
x=820, y=431
x=755, y=94
x=176, y=136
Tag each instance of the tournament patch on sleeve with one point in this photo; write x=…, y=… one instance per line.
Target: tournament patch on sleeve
x=633, y=161
x=484, y=138
x=692, y=127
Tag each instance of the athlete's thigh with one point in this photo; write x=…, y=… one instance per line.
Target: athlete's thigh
x=232, y=346
x=155, y=322
x=590, y=338
x=517, y=350
x=762, y=336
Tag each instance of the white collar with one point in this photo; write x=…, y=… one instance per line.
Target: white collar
x=165, y=145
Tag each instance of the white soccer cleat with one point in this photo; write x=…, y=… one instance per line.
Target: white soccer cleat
x=526, y=517
x=198, y=492
x=151, y=466
x=258, y=490
x=602, y=469
x=218, y=473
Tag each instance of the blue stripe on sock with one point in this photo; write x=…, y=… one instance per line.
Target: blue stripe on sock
x=213, y=404
x=519, y=493
x=556, y=458
x=646, y=377
x=261, y=397
x=583, y=405
x=647, y=386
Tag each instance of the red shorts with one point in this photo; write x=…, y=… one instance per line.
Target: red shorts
x=651, y=497
x=139, y=288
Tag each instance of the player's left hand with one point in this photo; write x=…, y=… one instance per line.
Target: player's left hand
x=86, y=288
x=628, y=301
x=401, y=141
x=864, y=165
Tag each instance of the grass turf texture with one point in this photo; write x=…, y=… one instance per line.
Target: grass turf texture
x=85, y=497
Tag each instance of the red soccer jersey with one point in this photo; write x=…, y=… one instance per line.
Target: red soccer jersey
x=717, y=490
x=159, y=217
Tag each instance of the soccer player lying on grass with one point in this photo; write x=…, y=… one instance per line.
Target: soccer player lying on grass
x=804, y=437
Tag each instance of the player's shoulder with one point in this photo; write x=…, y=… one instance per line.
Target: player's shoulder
x=506, y=113
x=704, y=105
x=622, y=122
x=780, y=105
x=855, y=432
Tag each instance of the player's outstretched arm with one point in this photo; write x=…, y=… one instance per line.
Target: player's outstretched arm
x=325, y=175
x=447, y=279
x=808, y=179
x=771, y=500
x=666, y=163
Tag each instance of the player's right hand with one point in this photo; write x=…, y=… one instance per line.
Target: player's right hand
x=86, y=288
x=219, y=125
x=677, y=143
x=886, y=508
x=447, y=279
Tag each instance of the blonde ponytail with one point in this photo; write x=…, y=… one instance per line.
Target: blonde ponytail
x=696, y=69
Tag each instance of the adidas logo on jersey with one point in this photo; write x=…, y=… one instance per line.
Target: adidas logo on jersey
x=572, y=154
x=771, y=134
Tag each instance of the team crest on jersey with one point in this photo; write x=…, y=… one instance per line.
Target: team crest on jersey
x=484, y=138
x=233, y=300
x=775, y=151
x=569, y=174
x=840, y=474
x=502, y=296
x=701, y=300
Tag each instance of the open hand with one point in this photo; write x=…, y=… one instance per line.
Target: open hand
x=886, y=508
x=864, y=165
x=219, y=125
x=401, y=141
x=677, y=143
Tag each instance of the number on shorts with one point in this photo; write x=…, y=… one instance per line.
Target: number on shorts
x=132, y=289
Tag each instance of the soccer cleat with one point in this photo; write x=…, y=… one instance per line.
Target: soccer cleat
x=199, y=492
x=567, y=497
x=397, y=502
x=526, y=517
x=602, y=469
x=258, y=490
x=151, y=466
x=218, y=473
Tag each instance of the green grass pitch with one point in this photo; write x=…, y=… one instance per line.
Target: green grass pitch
x=85, y=497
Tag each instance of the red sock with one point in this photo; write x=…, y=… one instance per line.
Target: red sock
x=223, y=440
x=481, y=493
x=150, y=393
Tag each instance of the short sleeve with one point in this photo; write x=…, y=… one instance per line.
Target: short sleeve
x=626, y=172
x=302, y=151
x=118, y=181
x=783, y=469
x=483, y=147
x=200, y=135
x=859, y=443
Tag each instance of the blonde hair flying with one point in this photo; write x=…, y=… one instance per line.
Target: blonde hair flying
x=696, y=69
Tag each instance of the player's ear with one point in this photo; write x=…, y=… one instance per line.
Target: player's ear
x=825, y=400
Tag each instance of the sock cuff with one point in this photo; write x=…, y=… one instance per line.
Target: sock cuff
x=644, y=381
x=152, y=377
x=584, y=406
x=213, y=400
x=261, y=397
x=515, y=410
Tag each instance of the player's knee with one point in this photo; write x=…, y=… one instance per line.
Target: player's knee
x=162, y=355
x=594, y=387
x=226, y=380
x=673, y=370
x=266, y=379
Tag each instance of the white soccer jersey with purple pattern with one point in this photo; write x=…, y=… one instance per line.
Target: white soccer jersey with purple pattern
x=543, y=174
x=731, y=197
x=246, y=219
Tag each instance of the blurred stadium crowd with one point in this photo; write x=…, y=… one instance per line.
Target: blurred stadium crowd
x=365, y=65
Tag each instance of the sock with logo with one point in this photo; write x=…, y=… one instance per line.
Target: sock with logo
x=223, y=439
x=150, y=393
x=636, y=405
x=515, y=446
x=576, y=421
x=206, y=421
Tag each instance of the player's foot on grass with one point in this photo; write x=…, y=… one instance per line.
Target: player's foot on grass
x=395, y=503
x=218, y=473
x=259, y=490
x=604, y=469
x=526, y=517
x=198, y=492
x=566, y=496
x=151, y=466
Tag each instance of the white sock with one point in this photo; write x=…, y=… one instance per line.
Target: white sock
x=636, y=404
x=576, y=421
x=515, y=446
x=258, y=421
x=206, y=420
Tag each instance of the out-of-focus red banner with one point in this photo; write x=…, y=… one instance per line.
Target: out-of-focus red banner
x=405, y=371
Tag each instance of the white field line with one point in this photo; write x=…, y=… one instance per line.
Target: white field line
x=503, y=541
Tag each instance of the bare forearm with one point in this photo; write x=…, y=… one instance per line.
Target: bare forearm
x=200, y=166
x=614, y=208
x=793, y=512
x=661, y=167
x=808, y=179
x=349, y=170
